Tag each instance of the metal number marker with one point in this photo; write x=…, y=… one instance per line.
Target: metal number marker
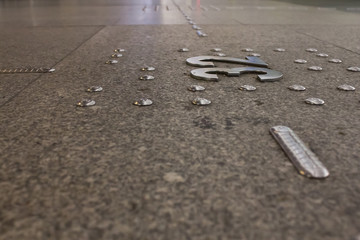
x=302, y=157
x=210, y=73
x=268, y=75
x=206, y=61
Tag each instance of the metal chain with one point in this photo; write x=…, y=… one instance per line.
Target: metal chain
x=26, y=70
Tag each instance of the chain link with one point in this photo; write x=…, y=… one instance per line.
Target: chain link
x=26, y=70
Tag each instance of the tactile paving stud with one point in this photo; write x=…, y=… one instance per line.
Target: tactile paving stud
x=85, y=103
x=315, y=68
x=201, y=101
x=314, y=101
x=297, y=87
x=94, y=89
x=143, y=102
x=346, y=87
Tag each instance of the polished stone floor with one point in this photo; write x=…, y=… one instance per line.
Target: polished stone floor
x=174, y=170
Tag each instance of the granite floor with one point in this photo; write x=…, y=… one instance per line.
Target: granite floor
x=174, y=170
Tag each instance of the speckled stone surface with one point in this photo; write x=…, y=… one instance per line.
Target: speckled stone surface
x=174, y=170
x=38, y=47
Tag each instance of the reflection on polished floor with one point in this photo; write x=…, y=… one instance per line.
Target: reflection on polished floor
x=64, y=13
x=174, y=170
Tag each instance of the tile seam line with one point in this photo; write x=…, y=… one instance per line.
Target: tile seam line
x=237, y=21
x=62, y=59
x=319, y=39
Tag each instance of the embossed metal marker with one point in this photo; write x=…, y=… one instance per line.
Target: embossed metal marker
x=206, y=61
x=209, y=74
x=302, y=157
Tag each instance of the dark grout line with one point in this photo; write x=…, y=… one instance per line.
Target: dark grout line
x=34, y=80
x=319, y=39
x=237, y=21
